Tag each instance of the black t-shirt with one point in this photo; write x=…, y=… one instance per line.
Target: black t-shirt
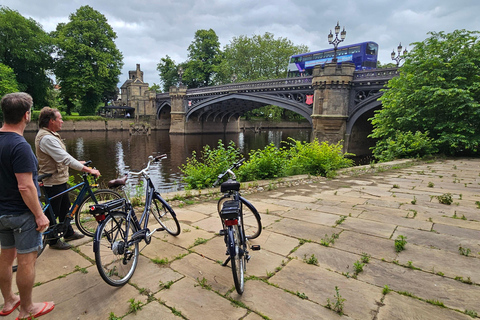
x=16, y=156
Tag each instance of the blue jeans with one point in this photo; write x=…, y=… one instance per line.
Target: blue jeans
x=19, y=231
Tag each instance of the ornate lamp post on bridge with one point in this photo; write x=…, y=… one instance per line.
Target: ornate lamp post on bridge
x=180, y=74
x=399, y=56
x=336, y=41
x=233, y=78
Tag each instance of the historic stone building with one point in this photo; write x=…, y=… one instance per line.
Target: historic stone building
x=135, y=94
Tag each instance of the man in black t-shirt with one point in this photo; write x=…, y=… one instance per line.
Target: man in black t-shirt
x=21, y=217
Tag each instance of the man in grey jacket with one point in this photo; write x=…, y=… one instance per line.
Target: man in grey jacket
x=53, y=158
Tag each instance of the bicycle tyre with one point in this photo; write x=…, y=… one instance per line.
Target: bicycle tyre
x=44, y=243
x=251, y=218
x=109, y=250
x=237, y=258
x=84, y=220
x=165, y=215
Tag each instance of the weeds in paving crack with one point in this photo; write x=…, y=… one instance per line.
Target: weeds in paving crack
x=165, y=285
x=326, y=241
x=430, y=185
x=135, y=305
x=112, y=316
x=400, y=243
x=445, y=198
x=358, y=267
x=160, y=261
x=339, y=221
x=466, y=281
x=338, y=303
x=436, y=303
x=414, y=201
x=386, y=289
x=365, y=257
x=203, y=283
x=471, y=313
x=311, y=260
x=82, y=270
x=464, y=251
x=301, y=295
x=414, y=214
x=478, y=204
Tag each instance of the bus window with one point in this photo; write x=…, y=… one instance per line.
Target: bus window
x=355, y=49
x=317, y=56
x=307, y=57
x=371, y=48
x=328, y=54
x=342, y=52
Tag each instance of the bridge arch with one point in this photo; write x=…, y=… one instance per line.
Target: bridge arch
x=220, y=105
x=362, y=108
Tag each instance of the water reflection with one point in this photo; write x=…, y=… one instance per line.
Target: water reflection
x=115, y=153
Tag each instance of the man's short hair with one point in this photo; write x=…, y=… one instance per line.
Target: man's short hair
x=14, y=106
x=46, y=114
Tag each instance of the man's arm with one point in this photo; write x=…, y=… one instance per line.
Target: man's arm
x=51, y=146
x=29, y=194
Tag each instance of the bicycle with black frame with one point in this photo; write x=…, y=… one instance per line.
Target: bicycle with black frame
x=117, y=239
x=78, y=210
x=241, y=222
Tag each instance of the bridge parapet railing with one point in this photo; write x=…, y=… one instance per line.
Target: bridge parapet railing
x=254, y=85
x=386, y=73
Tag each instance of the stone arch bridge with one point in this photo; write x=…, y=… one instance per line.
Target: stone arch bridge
x=336, y=100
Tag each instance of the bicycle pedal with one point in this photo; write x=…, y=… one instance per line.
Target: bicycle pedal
x=222, y=232
x=255, y=247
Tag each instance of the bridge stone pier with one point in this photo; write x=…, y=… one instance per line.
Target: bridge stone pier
x=332, y=85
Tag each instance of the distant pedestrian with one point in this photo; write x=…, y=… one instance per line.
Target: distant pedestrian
x=21, y=217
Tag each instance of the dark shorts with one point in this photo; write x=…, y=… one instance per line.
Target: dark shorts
x=19, y=231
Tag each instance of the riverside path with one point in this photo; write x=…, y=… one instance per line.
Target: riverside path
x=316, y=234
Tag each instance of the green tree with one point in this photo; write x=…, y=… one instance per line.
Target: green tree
x=437, y=93
x=168, y=72
x=258, y=58
x=204, y=57
x=26, y=48
x=88, y=62
x=8, y=83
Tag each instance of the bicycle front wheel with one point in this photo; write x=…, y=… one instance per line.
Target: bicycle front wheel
x=237, y=258
x=165, y=215
x=84, y=220
x=115, y=260
x=251, y=218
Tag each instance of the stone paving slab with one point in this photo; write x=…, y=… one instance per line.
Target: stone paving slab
x=318, y=284
x=194, y=302
x=405, y=308
x=153, y=310
x=374, y=228
x=275, y=303
x=379, y=248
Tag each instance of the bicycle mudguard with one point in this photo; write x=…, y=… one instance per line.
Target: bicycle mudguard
x=231, y=243
x=98, y=210
x=251, y=207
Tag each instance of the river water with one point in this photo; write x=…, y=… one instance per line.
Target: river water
x=115, y=153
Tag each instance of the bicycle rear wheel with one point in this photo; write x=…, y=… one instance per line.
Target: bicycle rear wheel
x=165, y=215
x=251, y=218
x=116, y=262
x=84, y=220
x=44, y=243
x=237, y=258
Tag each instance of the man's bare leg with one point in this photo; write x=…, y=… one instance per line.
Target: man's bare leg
x=7, y=256
x=25, y=281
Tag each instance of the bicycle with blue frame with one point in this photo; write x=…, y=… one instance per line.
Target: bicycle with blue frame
x=117, y=239
x=79, y=210
x=241, y=222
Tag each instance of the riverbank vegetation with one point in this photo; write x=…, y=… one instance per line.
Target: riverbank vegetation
x=295, y=157
x=433, y=106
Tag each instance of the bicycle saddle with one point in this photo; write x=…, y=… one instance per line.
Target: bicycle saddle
x=230, y=185
x=117, y=182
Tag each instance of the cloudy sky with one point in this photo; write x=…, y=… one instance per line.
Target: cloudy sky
x=148, y=30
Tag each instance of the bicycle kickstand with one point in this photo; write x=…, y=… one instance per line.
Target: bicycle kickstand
x=226, y=262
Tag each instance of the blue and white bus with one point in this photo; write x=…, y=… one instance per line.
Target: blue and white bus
x=363, y=55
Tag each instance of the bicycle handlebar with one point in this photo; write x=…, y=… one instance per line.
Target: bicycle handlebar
x=236, y=165
x=150, y=160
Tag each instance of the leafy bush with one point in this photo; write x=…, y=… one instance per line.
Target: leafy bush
x=202, y=173
x=315, y=158
x=405, y=145
x=264, y=164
